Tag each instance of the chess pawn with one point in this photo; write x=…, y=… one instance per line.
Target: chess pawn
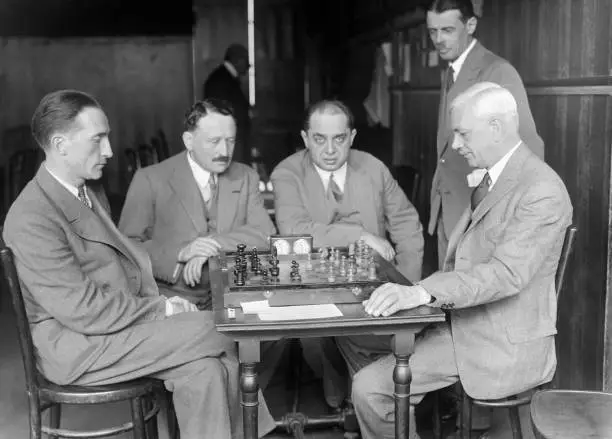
x=372, y=271
x=351, y=249
x=309, y=262
x=350, y=277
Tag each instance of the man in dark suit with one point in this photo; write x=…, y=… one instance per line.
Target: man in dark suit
x=224, y=83
x=96, y=313
x=451, y=25
x=498, y=278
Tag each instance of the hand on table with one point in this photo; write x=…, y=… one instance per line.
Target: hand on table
x=391, y=298
x=192, y=271
x=202, y=246
x=381, y=245
x=177, y=305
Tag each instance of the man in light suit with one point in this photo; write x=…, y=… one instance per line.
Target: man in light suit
x=188, y=207
x=451, y=25
x=339, y=195
x=96, y=314
x=498, y=283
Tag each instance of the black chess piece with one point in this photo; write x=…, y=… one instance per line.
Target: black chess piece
x=239, y=279
x=274, y=271
x=264, y=275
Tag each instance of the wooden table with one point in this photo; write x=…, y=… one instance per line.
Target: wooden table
x=249, y=332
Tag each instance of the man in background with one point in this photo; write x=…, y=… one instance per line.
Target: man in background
x=95, y=312
x=451, y=25
x=224, y=83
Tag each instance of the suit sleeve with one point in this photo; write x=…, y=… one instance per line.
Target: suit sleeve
x=506, y=75
x=258, y=225
x=292, y=217
x=404, y=228
x=533, y=234
x=49, y=269
x=137, y=222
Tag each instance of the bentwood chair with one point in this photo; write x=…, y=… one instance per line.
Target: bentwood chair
x=513, y=402
x=42, y=394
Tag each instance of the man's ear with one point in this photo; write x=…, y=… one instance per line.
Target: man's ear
x=58, y=142
x=304, y=138
x=471, y=25
x=188, y=140
x=353, y=134
x=497, y=129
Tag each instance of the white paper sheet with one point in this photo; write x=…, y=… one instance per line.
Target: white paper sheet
x=254, y=307
x=300, y=312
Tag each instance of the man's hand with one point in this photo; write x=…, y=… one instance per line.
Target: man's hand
x=192, y=272
x=382, y=246
x=391, y=298
x=177, y=305
x=199, y=247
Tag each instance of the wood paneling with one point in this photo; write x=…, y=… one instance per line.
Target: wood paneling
x=562, y=49
x=144, y=84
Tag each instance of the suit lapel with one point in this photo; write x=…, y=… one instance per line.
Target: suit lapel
x=360, y=192
x=508, y=179
x=228, y=197
x=186, y=189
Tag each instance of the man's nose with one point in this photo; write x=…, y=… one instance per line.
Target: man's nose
x=456, y=143
x=107, y=151
x=436, y=37
x=222, y=147
x=330, y=148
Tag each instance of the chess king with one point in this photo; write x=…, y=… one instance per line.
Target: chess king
x=340, y=195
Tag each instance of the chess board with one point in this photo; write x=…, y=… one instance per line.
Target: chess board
x=328, y=275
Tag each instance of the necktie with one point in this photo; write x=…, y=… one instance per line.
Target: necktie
x=450, y=78
x=83, y=197
x=210, y=190
x=335, y=189
x=480, y=191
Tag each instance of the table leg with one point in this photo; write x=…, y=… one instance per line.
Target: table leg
x=250, y=403
x=403, y=347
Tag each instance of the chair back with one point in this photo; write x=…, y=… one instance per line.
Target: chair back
x=22, y=167
x=160, y=144
x=9, y=272
x=147, y=155
x=566, y=252
x=409, y=179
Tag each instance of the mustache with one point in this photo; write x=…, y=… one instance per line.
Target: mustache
x=222, y=159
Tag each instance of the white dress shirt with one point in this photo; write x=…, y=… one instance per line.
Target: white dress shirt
x=458, y=63
x=202, y=178
x=339, y=176
x=70, y=188
x=496, y=170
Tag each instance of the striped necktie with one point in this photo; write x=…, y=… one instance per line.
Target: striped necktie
x=480, y=191
x=210, y=191
x=450, y=78
x=335, y=189
x=83, y=197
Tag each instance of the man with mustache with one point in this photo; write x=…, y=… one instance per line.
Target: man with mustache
x=95, y=311
x=340, y=195
x=451, y=25
x=188, y=207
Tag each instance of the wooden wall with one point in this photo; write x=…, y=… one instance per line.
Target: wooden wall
x=563, y=50
x=143, y=83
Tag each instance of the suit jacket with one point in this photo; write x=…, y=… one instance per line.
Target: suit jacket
x=450, y=191
x=81, y=279
x=501, y=290
x=164, y=211
x=300, y=202
x=221, y=84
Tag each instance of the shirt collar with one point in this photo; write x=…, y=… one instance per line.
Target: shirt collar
x=69, y=187
x=339, y=176
x=200, y=174
x=496, y=170
x=458, y=63
x=230, y=68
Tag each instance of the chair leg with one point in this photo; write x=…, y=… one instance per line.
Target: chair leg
x=465, y=426
x=151, y=427
x=138, y=432
x=515, y=423
x=55, y=414
x=35, y=419
x=173, y=429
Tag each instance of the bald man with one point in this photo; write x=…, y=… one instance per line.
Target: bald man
x=498, y=277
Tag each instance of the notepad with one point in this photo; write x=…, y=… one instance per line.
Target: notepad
x=254, y=307
x=300, y=312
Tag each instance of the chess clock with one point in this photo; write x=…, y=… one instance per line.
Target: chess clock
x=291, y=244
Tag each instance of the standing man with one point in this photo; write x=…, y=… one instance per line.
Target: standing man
x=498, y=278
x=340, y=195
x=224, y=83
x=451, y=25
x=94, y=309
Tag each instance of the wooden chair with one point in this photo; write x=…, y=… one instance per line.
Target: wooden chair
x=409, y=179
x=43, y=395
x=513, y=402
x=160, y=144
x=570, y=414
x=147, y=155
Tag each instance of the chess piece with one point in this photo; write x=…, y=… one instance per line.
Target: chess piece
x=274, y=273
x=240, y=278
x=372, y=271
